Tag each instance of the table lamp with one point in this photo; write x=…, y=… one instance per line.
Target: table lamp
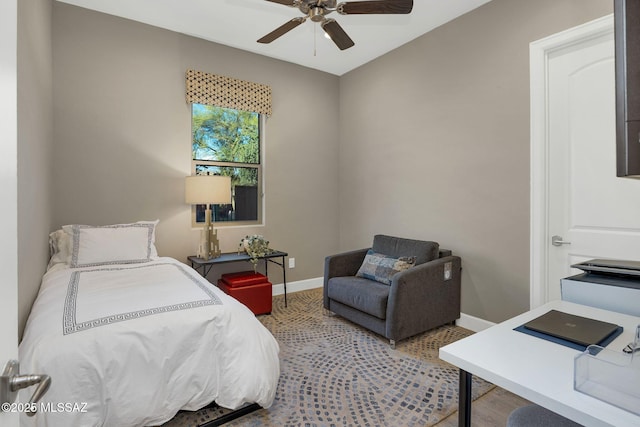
x=208, y=190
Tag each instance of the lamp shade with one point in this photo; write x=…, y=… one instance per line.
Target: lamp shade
x=207, y=189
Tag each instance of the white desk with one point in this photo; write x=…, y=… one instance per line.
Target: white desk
x=538, y=370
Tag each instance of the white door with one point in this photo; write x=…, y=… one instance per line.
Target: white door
x=8, y=193
x=576, y=195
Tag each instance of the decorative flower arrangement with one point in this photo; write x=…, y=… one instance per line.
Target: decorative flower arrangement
x=255, y=246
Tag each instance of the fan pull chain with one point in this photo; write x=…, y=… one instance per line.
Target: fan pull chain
x=315, y=39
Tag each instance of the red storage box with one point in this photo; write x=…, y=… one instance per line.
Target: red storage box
x=251, y=289
x=243, y=278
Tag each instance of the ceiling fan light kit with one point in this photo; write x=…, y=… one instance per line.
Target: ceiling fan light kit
x=317, y=10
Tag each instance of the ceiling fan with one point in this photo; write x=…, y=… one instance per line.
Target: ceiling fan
x=317, y=10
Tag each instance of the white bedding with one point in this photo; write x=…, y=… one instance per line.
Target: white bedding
x=133, y=344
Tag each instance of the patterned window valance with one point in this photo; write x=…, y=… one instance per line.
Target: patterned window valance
x=221, y=91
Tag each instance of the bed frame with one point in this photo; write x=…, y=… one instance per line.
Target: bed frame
x=226, y=418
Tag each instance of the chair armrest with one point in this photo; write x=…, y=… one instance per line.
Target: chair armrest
x=444, y=252
x=421, y=299
x=342, y=264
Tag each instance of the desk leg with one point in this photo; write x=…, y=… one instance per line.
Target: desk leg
x=284, y=274
x=204, y=271
x=464, y=399
x=284, y=279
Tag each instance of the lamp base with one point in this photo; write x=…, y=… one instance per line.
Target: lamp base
x=214, y=244
x=203, y=247
x=209, y=247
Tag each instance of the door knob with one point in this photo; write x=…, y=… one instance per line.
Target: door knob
x=11, y=382
x=557, y=241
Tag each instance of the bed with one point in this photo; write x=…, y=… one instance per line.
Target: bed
x=130, y=338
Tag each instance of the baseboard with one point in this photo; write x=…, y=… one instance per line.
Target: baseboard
x=466, y=321
x=472, y=323
x=300, y=285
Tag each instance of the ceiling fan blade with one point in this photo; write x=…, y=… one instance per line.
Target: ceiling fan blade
x=284, y=2
x=337, y=34
x=385, y=7
x=282, y=30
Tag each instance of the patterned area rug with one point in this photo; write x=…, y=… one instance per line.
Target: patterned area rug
x=335, y=373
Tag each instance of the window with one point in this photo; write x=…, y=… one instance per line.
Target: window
x=226, y=142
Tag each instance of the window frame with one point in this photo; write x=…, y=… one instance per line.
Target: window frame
x=216, y=163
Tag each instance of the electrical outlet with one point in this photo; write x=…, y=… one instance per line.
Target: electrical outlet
x=292, y=263
x=447, y=270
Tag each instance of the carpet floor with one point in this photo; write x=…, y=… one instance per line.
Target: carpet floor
x=335, y=373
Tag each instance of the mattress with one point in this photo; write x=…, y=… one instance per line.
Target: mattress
x=132, y=344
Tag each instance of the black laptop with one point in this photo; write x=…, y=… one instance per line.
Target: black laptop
x=569, y=327
x=610, y=266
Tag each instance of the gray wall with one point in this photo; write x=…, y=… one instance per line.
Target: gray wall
x=434, y=144
x=430, y=141
x=122, y=133
x=35, y=146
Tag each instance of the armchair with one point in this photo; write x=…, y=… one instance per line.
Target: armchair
x=417, y=299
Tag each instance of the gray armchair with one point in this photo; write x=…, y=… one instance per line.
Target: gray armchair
x=418, y=299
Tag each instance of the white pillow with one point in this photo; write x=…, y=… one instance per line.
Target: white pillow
x=85, y=245
x=59, y=248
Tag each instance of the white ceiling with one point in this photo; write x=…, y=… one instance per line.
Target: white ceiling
x=239, y=23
